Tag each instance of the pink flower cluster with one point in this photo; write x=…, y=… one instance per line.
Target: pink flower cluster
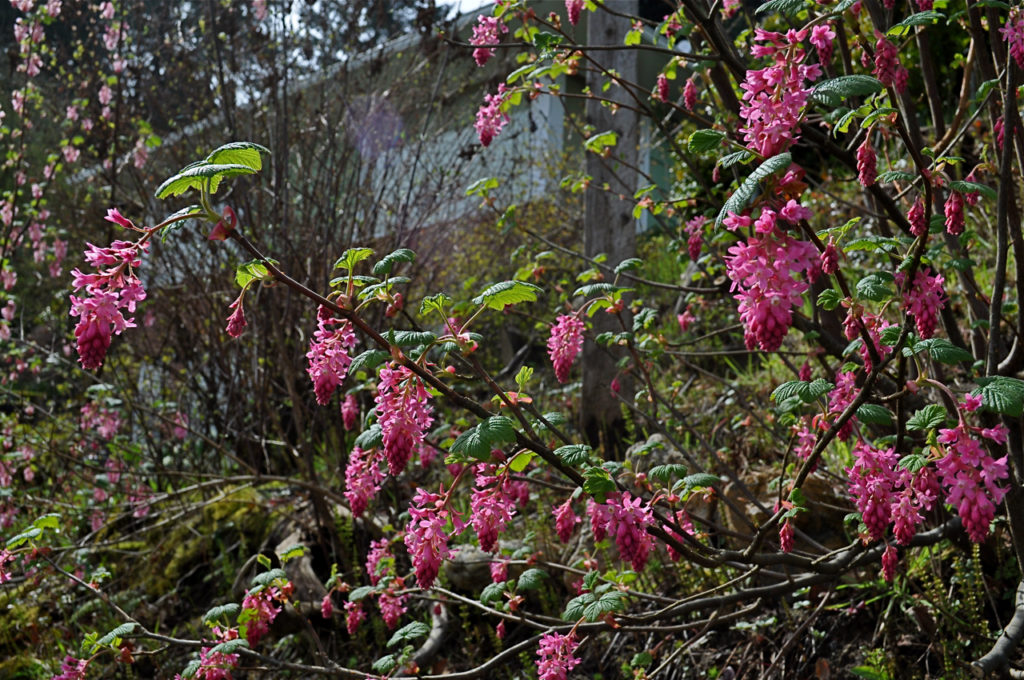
x=573, y=9
x=887, y=65
x=565, y=343
x=404, y=414
x=686, y=524
x=823, y=38
x=627, y=519
x=841, y=396
x=329, y=354
x=491, y=506
x=363, y=478
x=259, y=612
x=354, y=616
x=884, y=492
x=916, y=218
x=556, y=656
x=5, y=557
x=774, y=97
x=350, y=412
x=924, y=299
x=867, y=163
x=661, y=88
x=488, y=31
x=490, y=120
x=971, y=477
x=689, y=95
x=380, y=567
x=217, y=665
x=1013, y=33
x=762, y=269
x=874, y=325
x=565, y=520
x=426, y=535
x=954, y=211
x=104, y=421
x=72, y=669
x=109, y=293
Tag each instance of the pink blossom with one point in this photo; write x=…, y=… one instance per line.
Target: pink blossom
x=426, y=535
x=924, y=299
x=600, y=518
x=916, y=218
x=350, y=412
x=830, y=258
x=954, y=210
x=970, y=477
x=887, y=65
x=217, y=665
x=72, y=669
x=661, y=88
x=363, y=478
x=573, y=9
x=354, y=615
x=686, y=524
x=499, y=571
x=786, y=537
x=392, y=607
x=1013, y=33
x=867, y=164
x=105, y=422
x=258, y=613
x=564, y=344
x=556, y=656
x=491, y=507
x=404, y=414
x=488, y=31
x=490, y=119
x=685, y=319
x=565, y=520
x=890, y=559
x=379, y=561
x=327, y=607
x=840, y=397
x=823, y=38
x=630, y=518
x=5, y=557
x=329, y=354
x=689, y=95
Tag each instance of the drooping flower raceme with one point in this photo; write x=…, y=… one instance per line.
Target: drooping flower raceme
x=556, y=656
x=109, y=293
x=573, y=9
x=970, y=477
x=363, y=478
x=867, y=163
x=1013, y=33
x=887, y=65
x=954, y=211
x=565, y=343
x=489, y=118
x=328, y=354
x=258, y=613
x=565, y=521
x=884, y=492
x=426, y=535
x=487, y=31
x=404, y=414
x=491, y=507
x=630, y=519
x=924, y=300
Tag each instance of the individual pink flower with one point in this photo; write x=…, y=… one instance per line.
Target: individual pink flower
x=556, y=656
x=924, y=299
x=5, y=557
x=564, y=344
x=786, y=536
x=490, y=119
x=573, y=9
x=329, y=354
x=326, y=607
x=488, y=31
x=565, y=521
x=363, y=478
x=426, y=535
x=499, y=570
x=823, y=38
x=916, y=218
x=867, y=163
x=954, y=210
x=350, y=412
x=72, y=669
x=685, y=320
x=354, y=615
x=689, y=95
x=404, y=414
x=236, y=321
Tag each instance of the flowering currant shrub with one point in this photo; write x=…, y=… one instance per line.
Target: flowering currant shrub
x=825, y=304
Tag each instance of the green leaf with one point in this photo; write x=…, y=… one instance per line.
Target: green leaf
x=895, y=176
x=368, y=360
x=385, y=665
x=787, y=7
x=385, y=264
x=700, y=480
x=412, y=338
x=292, y=552
x=890, y=335
x=351, y=257
x=601, y=141
x=239, y=153
x=913, y=462
x=435, y=303
x=807, y=391
x=972, y=187
x=224, y=610
x=119, y=632
x=507, y=293
x=706, y=140
x=735, y=157
x=523, y=377
x=359, y=593
x=629, y=264
x=829, y=299
x=198, y=175
x=229, y=646
x=191, y=669
x=479, y=440
x=519, y=463
x=869, y=673
x=597, y=482
x=268, y=577
x=482, y=186
x=943, y=351
x=573, y=454
x=600, y=288
x=875, y=287
x=492, y=592
x=1002, y=395
x=531, y=579
x=611, y=601
x=834, y=91
x=27, y=535
x=740, y=198
x=371, y=438
x=874, y=414
x=665, y=472
x=920, y=19
x=253, y=270
x=927, y=418
x=641, y=660
x=408, y=633
x=48, y=521
x=575, y=607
